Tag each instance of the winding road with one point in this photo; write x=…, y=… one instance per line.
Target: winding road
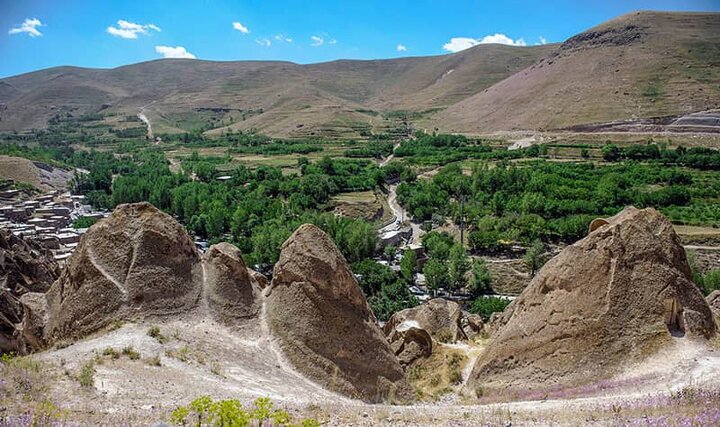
x=398, y=211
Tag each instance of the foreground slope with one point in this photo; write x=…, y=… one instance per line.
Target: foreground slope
x=644, y=64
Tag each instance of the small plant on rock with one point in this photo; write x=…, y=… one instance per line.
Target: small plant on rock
x=153, y=361
x=111, y=352
x=130, y=352
x=86, y=377
x=154, y=332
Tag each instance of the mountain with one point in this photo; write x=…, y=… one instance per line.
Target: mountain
x=278, y=98
x=645, y=64
x=640, y=65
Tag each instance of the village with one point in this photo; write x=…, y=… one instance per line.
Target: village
x=47, y=218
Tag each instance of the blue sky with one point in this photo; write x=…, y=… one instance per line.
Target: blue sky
x=36, y=34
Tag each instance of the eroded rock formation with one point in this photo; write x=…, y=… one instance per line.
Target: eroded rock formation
x=231, y=291
x=25, y=267
x=612, y=298
x=439, y=317
x=137, y=262
x=410, y=343
x=324, y=325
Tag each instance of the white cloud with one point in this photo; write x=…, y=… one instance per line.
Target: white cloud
x=543, y=40
x=28, y=26
x=240, y=27
x=130, y=30
x=282, y=38
x=174, y=52
x=264, y=42
x=401, y=48
x=317, y=41
x=333, y=41
x=456, y=44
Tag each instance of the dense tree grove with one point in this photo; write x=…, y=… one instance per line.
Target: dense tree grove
x=695, y=157
x=548, y=200
x=255, y=209
x=431, y=149
x=486, y=306
x=387, y=293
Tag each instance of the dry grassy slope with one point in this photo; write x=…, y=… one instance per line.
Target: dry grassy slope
x=643, y=64
x=295, y=99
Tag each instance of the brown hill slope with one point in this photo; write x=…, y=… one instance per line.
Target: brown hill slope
x=644, y=64
x=640, y=65
x=278, y=98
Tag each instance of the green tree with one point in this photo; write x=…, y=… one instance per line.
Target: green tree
x=390, y=251
x=391, y=299
x=533, y=257
x=373, y=276
x=481, y=279
x=457, y=267
x=408, y=266
x=611, y=153
x=436, y=274
x=438, y=245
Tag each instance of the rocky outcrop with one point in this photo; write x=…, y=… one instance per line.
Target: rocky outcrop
x=612, y=298
x=32, y=329
x=25, y=266
x=439, y=317
x=232, y=293
x=473, y=326
x=323, y=323
x=713, y=301
x=137, y=262
x=499, y=319
x=259, y=279
x=410, y=343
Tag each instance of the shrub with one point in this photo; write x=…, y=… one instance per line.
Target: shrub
x=215, y=368
x=84, y=222
x=711, y=281
x=130, y=352
x=485, y=307
x=230, y=412
x=111, y=352
x=86, y=377
x=154, y=332
x=153, y=361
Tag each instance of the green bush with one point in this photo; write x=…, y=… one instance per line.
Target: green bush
x=231, y=413
x=486, y=306
x=84, y=222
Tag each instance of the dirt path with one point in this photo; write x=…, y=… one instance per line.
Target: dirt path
x=389, y=158
x=398, y=211
x=141, y=115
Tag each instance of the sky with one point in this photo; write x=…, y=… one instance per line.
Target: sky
x=37, y=34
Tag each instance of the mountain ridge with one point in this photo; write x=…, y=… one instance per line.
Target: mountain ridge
x=643, y=64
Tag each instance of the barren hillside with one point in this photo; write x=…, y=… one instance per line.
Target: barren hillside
x=278, y=98
x=645, y=64
x=640, y=65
